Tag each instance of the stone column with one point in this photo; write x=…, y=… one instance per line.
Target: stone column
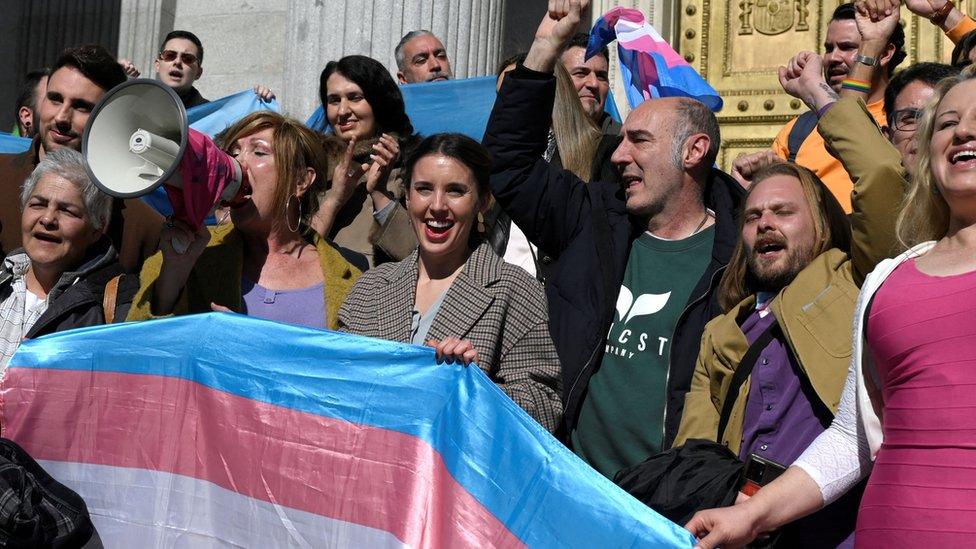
x=142, y=25
x=320, y=31
x=660, y=15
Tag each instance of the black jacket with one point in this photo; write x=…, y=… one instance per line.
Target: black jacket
x=499, y=223
x=585, y=228
x=76, y=300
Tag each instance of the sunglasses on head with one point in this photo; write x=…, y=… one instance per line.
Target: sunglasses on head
x=170, y=55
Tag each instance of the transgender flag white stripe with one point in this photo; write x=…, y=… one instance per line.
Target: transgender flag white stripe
x=157, y=508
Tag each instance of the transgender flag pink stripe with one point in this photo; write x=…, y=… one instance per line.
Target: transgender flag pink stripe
x=302, y=461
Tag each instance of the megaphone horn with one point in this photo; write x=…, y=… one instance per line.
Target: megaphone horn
x=137, y=139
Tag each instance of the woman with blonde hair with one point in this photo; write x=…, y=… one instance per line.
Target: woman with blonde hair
x=905, y=415
x=268, y=263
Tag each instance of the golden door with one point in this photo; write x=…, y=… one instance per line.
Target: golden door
x=737, y=45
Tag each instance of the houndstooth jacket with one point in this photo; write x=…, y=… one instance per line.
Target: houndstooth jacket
x=498, y=307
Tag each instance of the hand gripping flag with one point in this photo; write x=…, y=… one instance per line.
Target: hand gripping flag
x=649, y=66
x=225, y=430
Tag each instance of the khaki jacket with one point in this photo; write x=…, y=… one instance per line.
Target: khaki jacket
x=816, y=310
x=216, y=278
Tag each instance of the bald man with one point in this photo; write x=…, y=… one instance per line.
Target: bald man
x=635, y=274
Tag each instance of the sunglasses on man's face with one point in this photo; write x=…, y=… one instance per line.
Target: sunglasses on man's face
x=170, y=55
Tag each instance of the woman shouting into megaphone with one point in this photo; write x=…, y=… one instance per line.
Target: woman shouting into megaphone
x=267, y=262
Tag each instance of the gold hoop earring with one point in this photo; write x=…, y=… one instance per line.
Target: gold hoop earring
x=288, y=218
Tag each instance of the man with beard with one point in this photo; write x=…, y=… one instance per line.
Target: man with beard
x=799, y=141
x=790, y=289
x=421, y=57
x=78, y=80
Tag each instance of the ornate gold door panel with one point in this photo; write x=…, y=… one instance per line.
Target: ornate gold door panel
x=738, y=45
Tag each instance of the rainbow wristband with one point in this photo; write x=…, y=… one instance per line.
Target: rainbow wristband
x=856, y=85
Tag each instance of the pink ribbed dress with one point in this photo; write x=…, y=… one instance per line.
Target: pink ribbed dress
x=922, y=492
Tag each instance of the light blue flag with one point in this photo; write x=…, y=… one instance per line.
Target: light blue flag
x=460, y=106
x=12, y=144
x=254, y=433
x=611, y=108
x=212, y=118
x=218, y=115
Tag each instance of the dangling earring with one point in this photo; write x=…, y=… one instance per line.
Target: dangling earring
x=482, y=227
x=288, y=218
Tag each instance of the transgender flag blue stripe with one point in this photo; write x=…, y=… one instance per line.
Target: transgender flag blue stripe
x=381, y=384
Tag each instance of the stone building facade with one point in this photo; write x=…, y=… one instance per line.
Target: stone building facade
x=284, y=44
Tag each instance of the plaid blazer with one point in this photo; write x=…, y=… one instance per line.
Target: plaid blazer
x=498, y=307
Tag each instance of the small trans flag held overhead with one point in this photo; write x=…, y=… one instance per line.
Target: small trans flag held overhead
x=649, y=66
x=220, y=430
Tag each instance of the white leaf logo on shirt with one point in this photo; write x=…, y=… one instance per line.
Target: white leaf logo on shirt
x=624, y=301
x=646, y=304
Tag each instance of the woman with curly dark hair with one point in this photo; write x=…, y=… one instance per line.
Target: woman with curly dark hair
x=370, y=127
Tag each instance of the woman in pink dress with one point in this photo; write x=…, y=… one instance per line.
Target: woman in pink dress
x=908, y=411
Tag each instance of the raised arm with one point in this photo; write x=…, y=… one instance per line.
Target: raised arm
x=875, y=167
x=548, y=204
x=853, y=137
x=945, y=15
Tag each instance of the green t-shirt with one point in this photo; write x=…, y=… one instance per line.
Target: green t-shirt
x=621, y=421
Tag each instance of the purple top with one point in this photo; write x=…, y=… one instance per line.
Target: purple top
x=305, y=306
x=780, y=422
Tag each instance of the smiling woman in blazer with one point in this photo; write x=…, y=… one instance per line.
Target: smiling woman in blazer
x=454, y=293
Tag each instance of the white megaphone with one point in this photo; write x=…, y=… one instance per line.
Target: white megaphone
x=137, y=139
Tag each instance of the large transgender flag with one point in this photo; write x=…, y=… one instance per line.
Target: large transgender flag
x=648, y=65
x=221, y=430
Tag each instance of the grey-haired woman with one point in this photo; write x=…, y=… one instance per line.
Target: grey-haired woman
x=67, y=275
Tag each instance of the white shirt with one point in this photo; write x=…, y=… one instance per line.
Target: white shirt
x=519, y=251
